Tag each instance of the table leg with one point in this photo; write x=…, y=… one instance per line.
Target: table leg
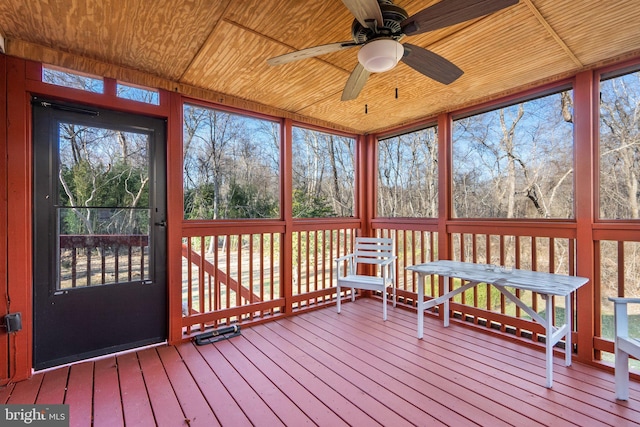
x=446, y=302
x=568, y=318
x=420, y=306
x=548, y=330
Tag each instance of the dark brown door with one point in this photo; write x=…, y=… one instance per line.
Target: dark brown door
x=99, y=238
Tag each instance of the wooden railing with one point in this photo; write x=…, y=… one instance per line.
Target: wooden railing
x=237, y=274
x=313, y=267
x=98, y=259
x=534, y=246
x=617, y=273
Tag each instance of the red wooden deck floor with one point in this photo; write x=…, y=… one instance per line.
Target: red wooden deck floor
x=321, y=368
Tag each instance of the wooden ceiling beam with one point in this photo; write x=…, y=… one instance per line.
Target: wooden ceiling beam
x=552, y=32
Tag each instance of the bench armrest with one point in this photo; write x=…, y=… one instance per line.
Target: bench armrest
x=344, y=258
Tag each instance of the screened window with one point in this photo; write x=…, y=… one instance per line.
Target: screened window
x=620, y=147
x=408, y=175
x=70, y=79
x=231, y=165
x=516, y=161
x=323, y=174
x=137, y=93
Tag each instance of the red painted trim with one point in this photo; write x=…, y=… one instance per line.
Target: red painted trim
x=323, y=130
x=194, y=228
x=286, y=206
x=445, y=191
x=228, y=109
x=19, y=260
x=533, y=93
x=174, y=215
x=585, y=176
x=445, y=184
x=367, y=166
x=109, y=100
x=4, y=337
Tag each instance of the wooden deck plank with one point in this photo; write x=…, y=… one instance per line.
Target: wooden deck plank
x=26, y=392
x=361, y=390
x=515, y=362
x=280, y=355
x=5, y=392
x=252, y=405
x=54, y=385
x=296, y=392
x=399, y=376
x=422, y=373
x=135, y=400
x=322, y=368
x=79, y=394
x=224, y=406
x=269, y=391
x=510, y=365
x=194, y=405
x=107, y=404
x=164, y=403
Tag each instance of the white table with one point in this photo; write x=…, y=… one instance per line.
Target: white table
x=546, y=285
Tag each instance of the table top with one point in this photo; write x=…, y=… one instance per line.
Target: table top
x=542, y=283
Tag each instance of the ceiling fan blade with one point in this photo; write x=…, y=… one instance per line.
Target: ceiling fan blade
x=356, y=82
x=430, y=64
x=310, y=52
x=365, y=10
x=450, y=12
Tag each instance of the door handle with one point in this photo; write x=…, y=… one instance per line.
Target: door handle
x=161, y=224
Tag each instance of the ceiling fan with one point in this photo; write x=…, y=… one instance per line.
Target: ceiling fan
x=379, y=26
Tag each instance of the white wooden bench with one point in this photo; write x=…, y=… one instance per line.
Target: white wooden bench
x=625, y=345
x=371, y=251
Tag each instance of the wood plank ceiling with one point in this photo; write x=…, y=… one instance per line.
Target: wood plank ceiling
x=218, y=50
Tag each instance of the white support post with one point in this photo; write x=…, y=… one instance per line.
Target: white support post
x=446, y=302
x=568, y=321
x=420, y=305
x=548, y=326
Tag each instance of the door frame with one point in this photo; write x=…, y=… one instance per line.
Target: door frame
x=112, y=317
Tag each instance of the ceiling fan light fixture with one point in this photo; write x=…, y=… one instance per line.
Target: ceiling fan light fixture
x=380, y=55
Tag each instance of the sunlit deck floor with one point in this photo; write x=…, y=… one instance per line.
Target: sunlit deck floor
x=328, y=369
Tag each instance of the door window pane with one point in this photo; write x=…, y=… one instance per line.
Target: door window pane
x=103, y=206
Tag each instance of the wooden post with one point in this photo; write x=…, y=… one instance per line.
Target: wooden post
x=445, y=204
x=585, y=103
x=286, y=195
x=19, y=218
x=4, y=337
x=175, y=215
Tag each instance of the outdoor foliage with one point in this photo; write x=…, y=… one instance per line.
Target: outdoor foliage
x=103, y=181
x=323, y=174
x=620, y=147
x=516, y=161
x=231, y=165
x=408, y=175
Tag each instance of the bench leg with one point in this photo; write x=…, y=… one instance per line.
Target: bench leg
x=384, y=302
x=338, y=297
x=622, y=375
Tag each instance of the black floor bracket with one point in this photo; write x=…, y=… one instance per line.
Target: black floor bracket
x=217, y=335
